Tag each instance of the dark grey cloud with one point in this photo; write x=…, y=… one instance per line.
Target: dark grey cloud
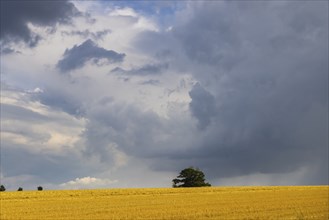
x=268, y=72
x=60, y=100
x=98, y=35
x=77, y=56
x=215, y=44
x=112, y=124
x=119, y=125
x=153, y=82
x=148, y=42
x=49, y=167
x=148, y=69
x=45, y=169
x=202, y=106
x=272, y=96
x=7, y=50
x=15, y=16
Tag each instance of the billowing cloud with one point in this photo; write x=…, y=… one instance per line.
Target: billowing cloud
x=79, y=55
x=257, y=98
x=42, y=137
x=17, y=16
x=269, y=99
x=243, y=98
x=88, y=182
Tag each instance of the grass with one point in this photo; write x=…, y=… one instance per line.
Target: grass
x=273, y=202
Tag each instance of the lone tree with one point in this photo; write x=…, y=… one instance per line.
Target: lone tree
x=20, y=189
x=190, y=177
x=2, y=188
x=40, y=188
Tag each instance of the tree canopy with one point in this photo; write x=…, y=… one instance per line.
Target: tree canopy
x=190, y=177
x=2, y=188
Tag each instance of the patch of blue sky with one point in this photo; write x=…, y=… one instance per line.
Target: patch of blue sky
x=149, y=7
x=162, y=11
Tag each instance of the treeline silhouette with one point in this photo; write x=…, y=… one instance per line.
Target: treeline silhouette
x=3, y=188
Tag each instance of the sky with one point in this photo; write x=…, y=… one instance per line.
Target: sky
x=108, y=94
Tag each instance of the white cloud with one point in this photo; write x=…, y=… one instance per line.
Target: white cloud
x=88, y=182
x=142, y=23
x=123, y=12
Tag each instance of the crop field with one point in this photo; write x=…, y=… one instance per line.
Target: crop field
x=278, y=202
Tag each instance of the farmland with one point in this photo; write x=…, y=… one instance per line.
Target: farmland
x=272, y=202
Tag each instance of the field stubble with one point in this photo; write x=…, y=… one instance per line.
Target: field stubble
x=273, y=202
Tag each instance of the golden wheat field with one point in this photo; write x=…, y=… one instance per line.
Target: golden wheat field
x=272, y=202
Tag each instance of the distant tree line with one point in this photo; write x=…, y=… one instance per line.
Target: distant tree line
x=3, y=188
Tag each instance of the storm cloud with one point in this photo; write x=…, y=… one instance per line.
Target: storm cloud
x=79, y=55
x=16, y=16
x=272, y=99
x=262, y=106
x=244, y=98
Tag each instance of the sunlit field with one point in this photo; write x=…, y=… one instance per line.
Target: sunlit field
x=295, y=202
